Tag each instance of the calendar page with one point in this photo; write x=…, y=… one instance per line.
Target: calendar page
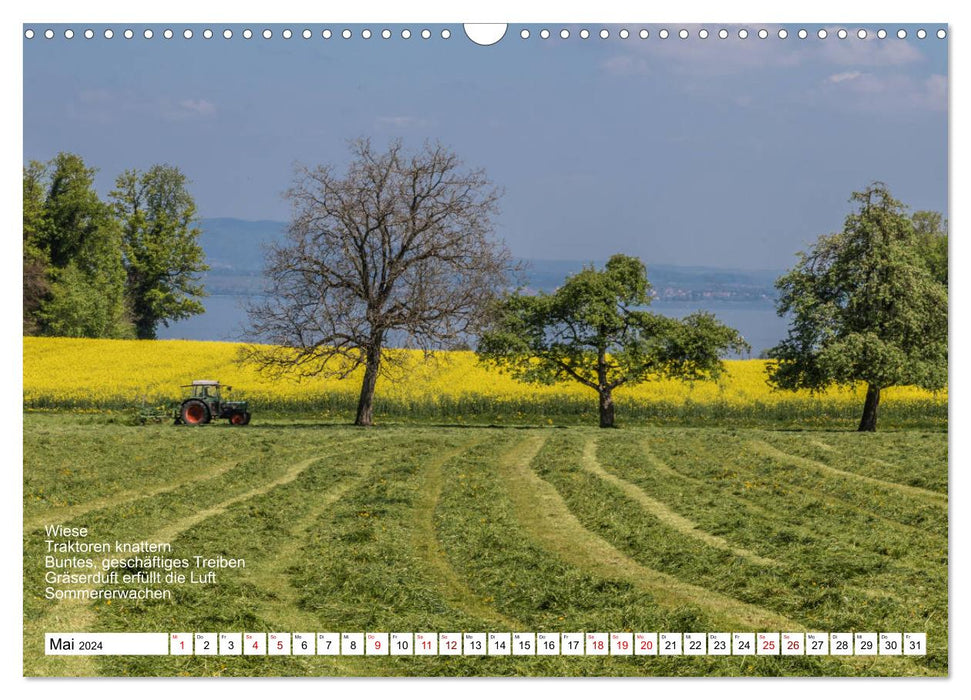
x=540, y=349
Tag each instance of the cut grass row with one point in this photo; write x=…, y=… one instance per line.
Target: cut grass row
x=848, y=562
x=447, y=529
x=161, y=516
x=911, y=459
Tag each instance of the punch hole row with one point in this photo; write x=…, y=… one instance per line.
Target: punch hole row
x=742, y=33
x=245, y=34
x=624, y=33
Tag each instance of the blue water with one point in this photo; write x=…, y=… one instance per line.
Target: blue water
x=225, y=318
x=755, y=320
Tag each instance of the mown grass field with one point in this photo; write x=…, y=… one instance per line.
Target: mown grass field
x=446, y=528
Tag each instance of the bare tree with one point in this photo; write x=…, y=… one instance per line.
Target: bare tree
x=399, y=249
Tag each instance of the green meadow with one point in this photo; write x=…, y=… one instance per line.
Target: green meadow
x=425, y=528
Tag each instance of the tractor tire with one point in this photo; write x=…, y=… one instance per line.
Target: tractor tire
x=195, y=412
x=239, y=419
x=246, y=417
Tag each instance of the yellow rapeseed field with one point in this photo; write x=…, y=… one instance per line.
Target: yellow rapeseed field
x=115, y=374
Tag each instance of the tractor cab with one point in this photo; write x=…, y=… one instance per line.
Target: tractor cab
x=208, y=390
x=203, y=401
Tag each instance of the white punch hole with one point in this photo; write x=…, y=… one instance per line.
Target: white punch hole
x=485, y=34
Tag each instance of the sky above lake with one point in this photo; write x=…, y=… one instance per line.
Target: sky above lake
x=717, y=152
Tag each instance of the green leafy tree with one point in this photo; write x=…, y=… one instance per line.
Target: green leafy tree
x=35, y=259
x=865, y=307
x=595, y=331
x=78, y=240
x=76, y=306
x=162, y=256
x=931, y=230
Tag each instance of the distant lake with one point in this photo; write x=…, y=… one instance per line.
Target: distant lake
x=224, y=319
x=757, y=321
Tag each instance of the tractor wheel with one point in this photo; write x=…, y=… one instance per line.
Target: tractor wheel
x=239, y=419
x=195, y=412
x=246, y=417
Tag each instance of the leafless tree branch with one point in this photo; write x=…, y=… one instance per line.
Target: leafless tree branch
x=400, y=249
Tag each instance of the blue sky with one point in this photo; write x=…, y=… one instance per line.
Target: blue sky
x=693, y=152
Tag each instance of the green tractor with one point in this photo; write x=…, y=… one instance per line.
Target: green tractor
x=202, y=402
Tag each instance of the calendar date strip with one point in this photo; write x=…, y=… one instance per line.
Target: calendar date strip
x=485, y=644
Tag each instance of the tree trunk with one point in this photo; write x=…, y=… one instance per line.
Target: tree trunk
x=869, y=421
x=606, y=409
x=144, y=329
x=365, y=410
x=604, y=390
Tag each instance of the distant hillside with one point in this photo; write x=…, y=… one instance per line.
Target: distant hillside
x=235, y=245
x=669, y=282
x=234, y=250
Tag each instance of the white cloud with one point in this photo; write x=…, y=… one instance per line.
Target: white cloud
x=894, y=92
x=105, y=106
x=184, y=109
x=402, y=122
x=720, y=57
x=626, y=65
x=935, y=89
x=700, y=57
x=859, y=74
x=97, y=105
x=842, y=77
x=202, y=108
x=871, y=52
x=96, y=96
